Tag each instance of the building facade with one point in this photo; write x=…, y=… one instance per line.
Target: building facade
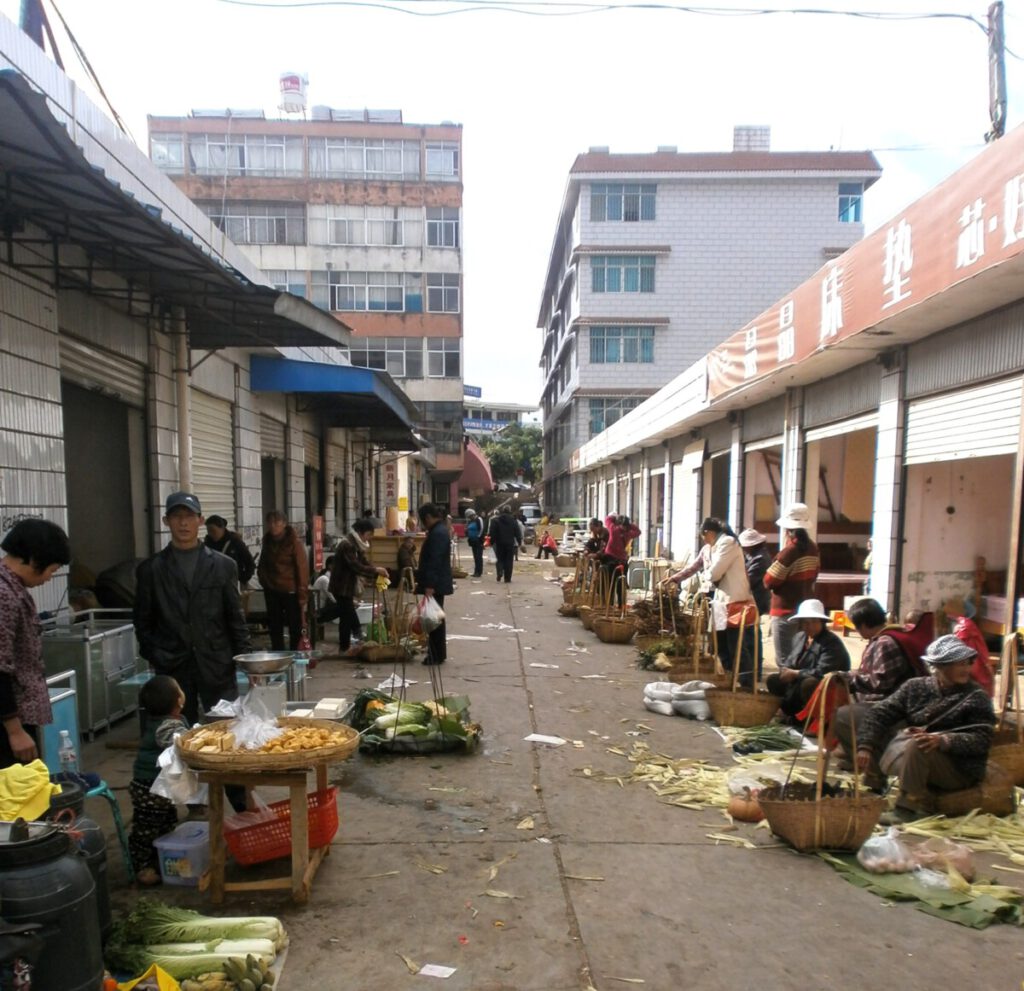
x=361, y=214
x=656, y=257
x=482, y=419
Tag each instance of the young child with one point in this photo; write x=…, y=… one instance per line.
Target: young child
x=161, y=701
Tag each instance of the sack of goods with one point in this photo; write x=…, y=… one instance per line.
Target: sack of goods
x=669, y=699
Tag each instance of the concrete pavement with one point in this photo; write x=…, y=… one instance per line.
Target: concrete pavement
x=671, y=909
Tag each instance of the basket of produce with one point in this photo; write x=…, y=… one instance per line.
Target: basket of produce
x=303, y=742
x=820, y=816
x=612, y=628
x=271, y=838
x=1007, y=749
x=741, y=707
x=393, y=725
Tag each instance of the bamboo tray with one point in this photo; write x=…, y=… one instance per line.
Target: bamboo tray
x=247, y=761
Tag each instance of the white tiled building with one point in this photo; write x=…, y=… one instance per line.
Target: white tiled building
x=657, y=257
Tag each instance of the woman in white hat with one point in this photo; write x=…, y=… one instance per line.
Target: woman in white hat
x=791, y=576
x=814, y=655
x=945, y=745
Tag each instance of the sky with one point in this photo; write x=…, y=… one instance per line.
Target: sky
x=534, y=90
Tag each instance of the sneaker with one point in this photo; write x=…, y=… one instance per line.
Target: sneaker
x=148, y=877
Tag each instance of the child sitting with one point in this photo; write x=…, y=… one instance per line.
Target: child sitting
x=161, y=701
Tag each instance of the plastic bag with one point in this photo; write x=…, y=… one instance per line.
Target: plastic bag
x=429, y=615
x=253, y=723
x=250, y=817
x=659, y=691
x=662, y=708
x=886, y=854
x=941, y=854
x=177, y=782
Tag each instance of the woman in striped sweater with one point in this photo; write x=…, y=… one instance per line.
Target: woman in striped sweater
x=791, y=576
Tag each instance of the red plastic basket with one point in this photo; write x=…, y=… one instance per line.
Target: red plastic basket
x=273, y=839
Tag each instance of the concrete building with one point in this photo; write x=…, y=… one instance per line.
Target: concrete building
x=485, y=419
x=656, y=257
x=361, y=214
x=884, y=391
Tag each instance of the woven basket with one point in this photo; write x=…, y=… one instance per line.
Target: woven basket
x=995, y=795
x=374, y=653
x=564, y=561
x=587, y=615
x=1008, y=741
x=797, y=815
x=1008, y=753
x=460, y=573
x=568, y=609
x=729, y=708
x=613, y=629
x=245, y=761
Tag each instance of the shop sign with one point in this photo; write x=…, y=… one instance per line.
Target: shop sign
x=965, y=225
x=318, y=542
x=390, y=483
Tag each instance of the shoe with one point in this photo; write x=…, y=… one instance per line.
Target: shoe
x=148, y=877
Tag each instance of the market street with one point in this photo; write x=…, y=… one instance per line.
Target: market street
x=610, y=888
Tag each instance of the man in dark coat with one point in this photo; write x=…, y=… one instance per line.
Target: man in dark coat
x=506, y=539
x=220, y=538
x=434, y=576
x=188, y=613
x=814, y=655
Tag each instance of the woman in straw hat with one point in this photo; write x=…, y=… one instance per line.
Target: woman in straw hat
x=791, y=576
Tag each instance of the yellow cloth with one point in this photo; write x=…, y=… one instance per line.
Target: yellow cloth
x=25, y=791
x=164, y=981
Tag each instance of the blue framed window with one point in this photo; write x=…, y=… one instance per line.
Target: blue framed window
x=604, y=412
x=622, y=273
x=628, y=202
x=851, y=196
x=621, y=345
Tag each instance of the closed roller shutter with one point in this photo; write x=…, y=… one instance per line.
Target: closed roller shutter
x=683, y=518
x=971, y=423
x=865, y=422
x=213, y=463
x=271, y=438
x=335, y=461
x=311, y=449
x=100, y=371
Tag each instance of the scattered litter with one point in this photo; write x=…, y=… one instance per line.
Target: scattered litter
x=583, y=877
x=394, y=682
x=502, y=762
x=526, y=823
x=465, y=636
x=502, y=626
x=362, y=673
x=537, y=664
x=578, y=744
x=468, y=619
x=479, y=593
x=463, y=940
x=551, y=741
x=452, y=791
x=414, y=968
x=527, y=648
x=498, y=924
x=492, y=871
x=432, y=868
x=576, y=648
x=626, y=980
x=495, y=893
x=591, y=677
x=543, y=839
x=435, y=970
x=372, y=877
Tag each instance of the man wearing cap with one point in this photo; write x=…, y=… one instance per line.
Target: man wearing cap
x=220, y=538
x=814, y=655
x=791, y=576
x=934, y=733
x=188, y=614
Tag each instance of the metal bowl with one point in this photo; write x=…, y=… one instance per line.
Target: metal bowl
x=265, y=662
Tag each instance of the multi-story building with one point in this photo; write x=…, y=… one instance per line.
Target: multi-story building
x=361, y=214
x=484, y=419
x=657, y=257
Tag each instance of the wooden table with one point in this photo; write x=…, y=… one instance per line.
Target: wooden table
x=304, y=861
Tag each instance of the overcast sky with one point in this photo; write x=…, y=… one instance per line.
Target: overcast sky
x=533, y=91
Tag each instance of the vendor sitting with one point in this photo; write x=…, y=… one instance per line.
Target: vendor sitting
x=933, y=733
x=814, y=655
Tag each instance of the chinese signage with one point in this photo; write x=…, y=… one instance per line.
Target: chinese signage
x=483, y=426
x=969, y=223
x=318, y=542
x=390, y=483
x=472, y=390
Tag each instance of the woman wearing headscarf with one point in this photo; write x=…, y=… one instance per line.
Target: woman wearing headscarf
x=284, y=574
x=791, y=576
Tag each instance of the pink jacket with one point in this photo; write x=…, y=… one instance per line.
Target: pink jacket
x=618, y=537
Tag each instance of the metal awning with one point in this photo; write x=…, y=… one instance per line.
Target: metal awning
x=343, y=396
x=63, y=219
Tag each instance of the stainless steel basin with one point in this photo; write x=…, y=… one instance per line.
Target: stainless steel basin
x=264, y=662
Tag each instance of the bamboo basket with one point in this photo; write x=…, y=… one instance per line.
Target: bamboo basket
x=994, y=795
x=735, y=707
x=246, y=761
x=1008, y=743
x=564, y=561
x=808, y=820
x=615, y=629
x=587, y=611
x=374, y=653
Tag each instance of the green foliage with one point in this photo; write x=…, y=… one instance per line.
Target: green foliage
x=517, y=446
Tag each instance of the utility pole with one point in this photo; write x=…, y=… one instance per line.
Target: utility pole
x=996, y=72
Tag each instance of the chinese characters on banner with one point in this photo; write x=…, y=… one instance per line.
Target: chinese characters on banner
x=964, y=226
x=318, y=543
x=390, y=483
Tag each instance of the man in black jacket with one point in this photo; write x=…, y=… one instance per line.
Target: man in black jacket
x=188, y=614
x=506, y=539
x=434, y=576
x=220, y=538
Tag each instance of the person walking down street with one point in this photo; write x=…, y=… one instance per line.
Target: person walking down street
x=284, y=574
x=352, y=568
x=944, y=746
x=814, y=655
x=615, y=556
x=475, y=539
x=791, y=576
x=505, y=540
x=434, y=577
x=188, y=612
x=757, y=561
x=220, y=538
x=34, y=551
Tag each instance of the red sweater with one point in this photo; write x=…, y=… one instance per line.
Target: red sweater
x=791, y=577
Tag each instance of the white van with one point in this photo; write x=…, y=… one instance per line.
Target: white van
x=532, y=512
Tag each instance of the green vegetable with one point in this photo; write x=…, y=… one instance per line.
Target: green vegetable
x=135, y=959
x=410, y=712
x=151, y=922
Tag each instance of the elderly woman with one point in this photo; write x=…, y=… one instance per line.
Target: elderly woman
x=791, y=576
x=933, y=733
x=349, y=574
x=283, y=572
x=817, y=652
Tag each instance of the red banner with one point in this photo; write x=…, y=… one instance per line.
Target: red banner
x=318, y=542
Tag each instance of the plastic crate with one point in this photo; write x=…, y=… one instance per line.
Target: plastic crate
x=184, y=853
x=273, y=839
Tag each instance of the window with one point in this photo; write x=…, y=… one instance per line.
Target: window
x=621, y=201
x=626, y=345
x=320, y=289
x=442, y=227
x=373, y=225
x=443, y=293
x=443, y=358
x=373, y=291
x=288, y=281
x=363, y=158
x=605, y=412
x=622, y=273
x=442, y=426
x=168, y=152
x=245, y=154
x=259, y=223
x=400, y=357
x=851, y=194
x=442, y=160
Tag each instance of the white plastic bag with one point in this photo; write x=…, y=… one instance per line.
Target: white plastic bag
x=250, y=817
x=886, y=854
x=662, y=708
x=254, y=724
x=430, y=614
x=692, y=708
x=176, y=781
x=659, y=691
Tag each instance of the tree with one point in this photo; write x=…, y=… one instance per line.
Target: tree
x=518, y=446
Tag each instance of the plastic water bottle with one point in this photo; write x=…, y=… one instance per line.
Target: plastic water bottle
x=67, y=754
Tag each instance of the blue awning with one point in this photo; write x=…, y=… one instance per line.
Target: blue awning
x=343, y=395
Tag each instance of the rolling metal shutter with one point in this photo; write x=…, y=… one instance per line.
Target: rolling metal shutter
x=971, y=423
x=213, y=462
x=102, y=371
x=865, y=422
x=311, y=448
x=271, y=438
